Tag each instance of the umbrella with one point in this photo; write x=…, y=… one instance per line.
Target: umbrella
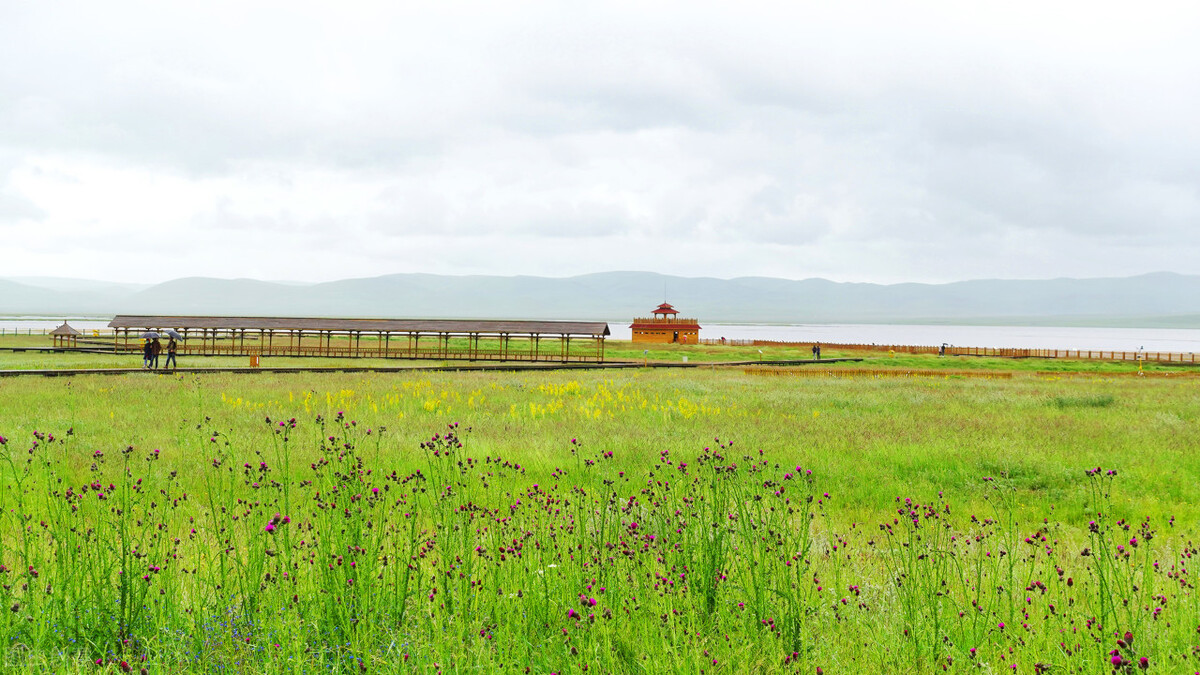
x=149, y=335
x=174, y=334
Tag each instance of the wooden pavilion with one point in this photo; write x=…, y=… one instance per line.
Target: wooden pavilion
x=65, y=336
x=436, y=339
x=665, y=326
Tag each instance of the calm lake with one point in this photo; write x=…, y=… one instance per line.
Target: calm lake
x=1033, y=337
x=1043, y=337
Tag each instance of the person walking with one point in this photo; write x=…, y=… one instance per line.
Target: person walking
x=155, y=350
x=147, y=353
x=172, y=347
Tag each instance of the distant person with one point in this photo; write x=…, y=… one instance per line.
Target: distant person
x=147, y=353
x=172, y=347
x=155, y=350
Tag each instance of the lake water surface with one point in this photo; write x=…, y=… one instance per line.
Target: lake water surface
x=1027, y=337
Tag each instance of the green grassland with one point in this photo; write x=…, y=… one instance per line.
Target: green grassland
x=639, y=521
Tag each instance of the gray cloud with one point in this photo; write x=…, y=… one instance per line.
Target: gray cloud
x=924, y=143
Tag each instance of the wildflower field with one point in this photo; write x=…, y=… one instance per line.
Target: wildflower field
x=640, y=521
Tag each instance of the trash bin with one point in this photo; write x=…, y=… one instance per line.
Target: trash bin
x=254, y=360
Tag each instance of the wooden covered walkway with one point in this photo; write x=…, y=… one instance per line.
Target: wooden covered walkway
x=429, y=339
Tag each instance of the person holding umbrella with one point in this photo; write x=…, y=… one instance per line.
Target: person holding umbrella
x=172, y=348
x=151, y=349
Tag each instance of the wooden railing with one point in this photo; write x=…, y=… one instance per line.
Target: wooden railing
x=1002, y=352
x=424, y=353
x=880, y=373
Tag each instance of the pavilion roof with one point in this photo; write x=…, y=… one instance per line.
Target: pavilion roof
x=65, y=329
x=665, y=308
x=424, y=326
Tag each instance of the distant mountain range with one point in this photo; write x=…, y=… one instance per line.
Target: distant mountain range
x=1161, y=299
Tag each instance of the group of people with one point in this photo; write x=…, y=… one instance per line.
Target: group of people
x=153, y=348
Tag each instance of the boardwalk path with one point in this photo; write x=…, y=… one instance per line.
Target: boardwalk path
x=615, y=365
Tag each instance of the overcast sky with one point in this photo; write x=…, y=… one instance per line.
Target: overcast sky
x=856, y=141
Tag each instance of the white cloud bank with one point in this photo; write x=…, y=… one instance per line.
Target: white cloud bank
x=856, y=141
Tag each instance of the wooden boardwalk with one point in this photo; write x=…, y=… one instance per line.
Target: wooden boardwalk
x=417, y=339
x=481, y=367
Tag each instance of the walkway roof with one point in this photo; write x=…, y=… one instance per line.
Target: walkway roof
x=423, y=326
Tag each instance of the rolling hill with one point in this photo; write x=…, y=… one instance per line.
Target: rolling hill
x=1159, y=299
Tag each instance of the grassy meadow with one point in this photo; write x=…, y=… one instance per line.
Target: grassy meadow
x=634, y=521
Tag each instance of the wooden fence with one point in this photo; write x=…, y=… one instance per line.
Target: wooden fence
x=1001, y=352
x=876, y=373
x=542, y=349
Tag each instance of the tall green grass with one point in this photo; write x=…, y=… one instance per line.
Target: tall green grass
x=569, y=522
